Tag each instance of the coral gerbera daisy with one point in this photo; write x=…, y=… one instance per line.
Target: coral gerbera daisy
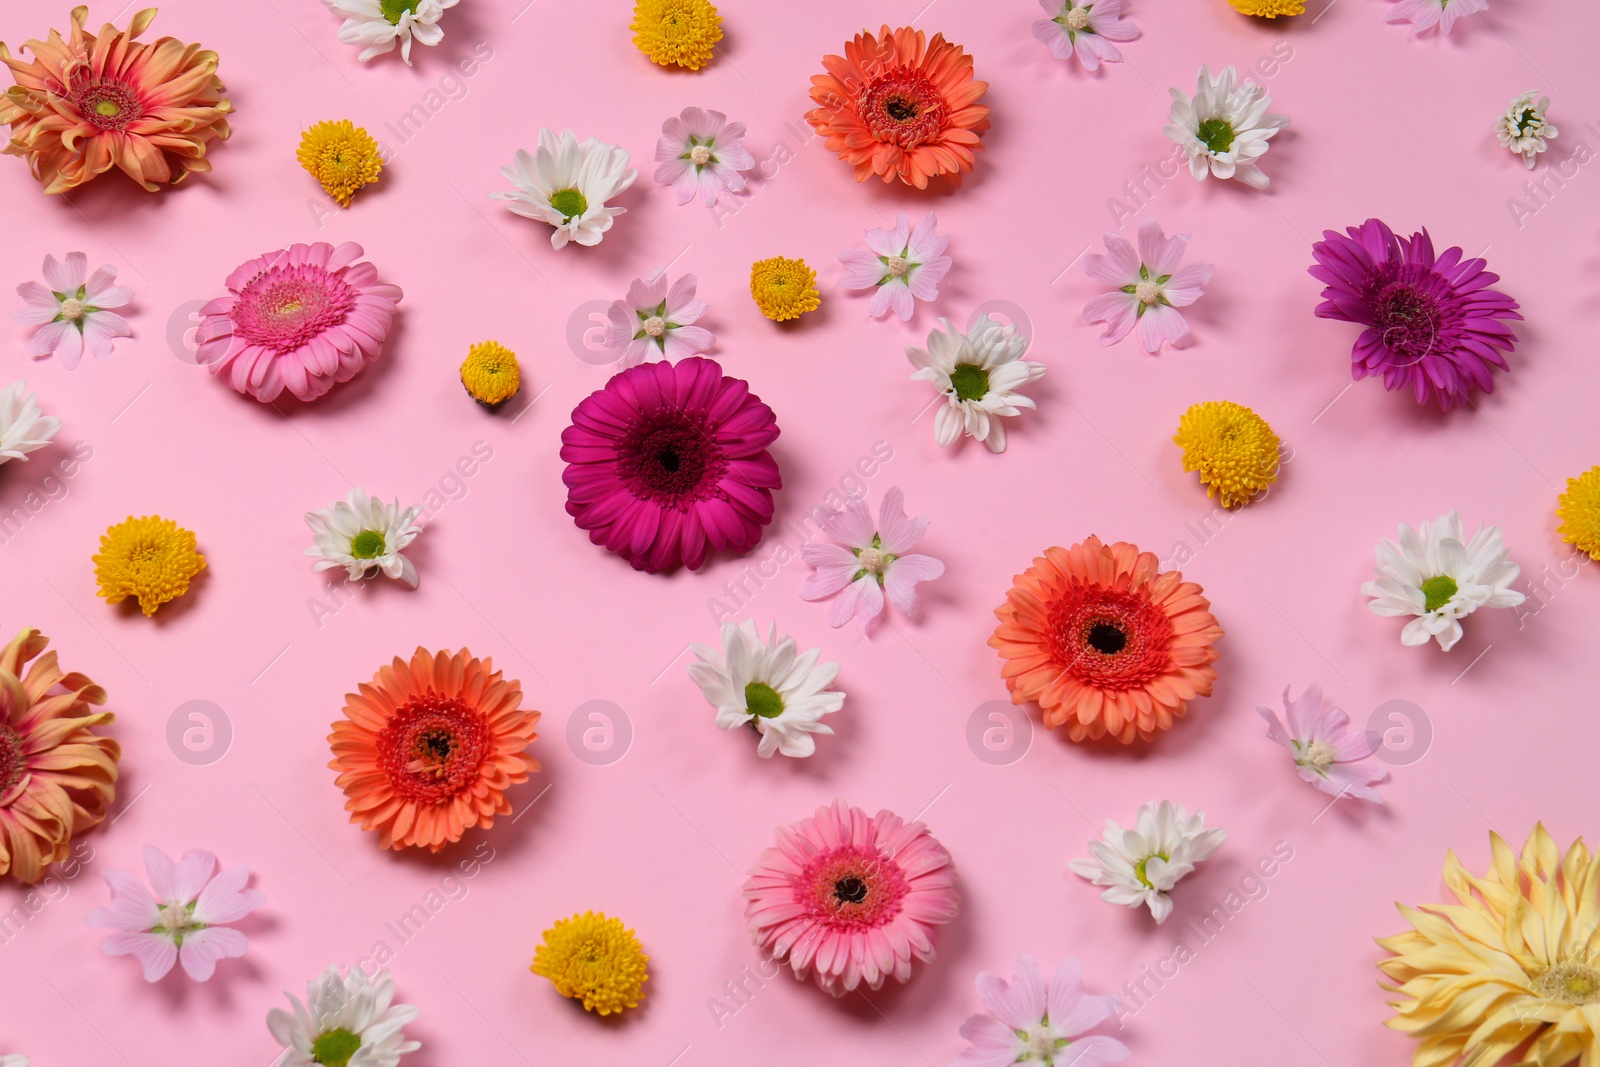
x=342, y=156
x=596, y=959
x=1269, y=9
x=149, y=558
x=1106, y=642
x=676, y=33
x=1432, y=323
x=900, y=106
x=851, y=899
x=668, y=463
x=784, y=289
x=93, y=101
x=491, y=374
x=1512, y=966
x=1232, y=447
x=1579, y=511
x=57, y=776
x=303, y=318
x=428, y=748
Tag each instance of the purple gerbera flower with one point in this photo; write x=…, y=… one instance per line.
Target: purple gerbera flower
x=669, y=462
x=1433, y=323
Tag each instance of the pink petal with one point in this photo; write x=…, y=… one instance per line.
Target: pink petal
x=204, y=948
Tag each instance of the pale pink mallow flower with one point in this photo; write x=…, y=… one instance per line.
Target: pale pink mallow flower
x=1043, y=1025
x=72, y=310
x=1326, y=752
x=185, y=920
x=901, y=265
x=1149, y=285
x=1424, y=15
x=868, y=561
x=1084, y=30
x=702, y=154
x=656, y=320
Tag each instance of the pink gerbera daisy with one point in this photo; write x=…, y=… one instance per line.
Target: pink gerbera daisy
x=1327, y=753
x=669, y=462
x=868, y=561
x=851, y=899
x=302, y=319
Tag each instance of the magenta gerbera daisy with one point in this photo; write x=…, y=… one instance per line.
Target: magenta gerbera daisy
x=669, y=462
x=301, y=318
x=1433, y=324
x=850, y=899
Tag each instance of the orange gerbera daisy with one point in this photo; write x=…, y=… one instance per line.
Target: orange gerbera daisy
x=95, y=101
x=429, y=748
x=57, y=776
x=900, y=106
x=1106, y=642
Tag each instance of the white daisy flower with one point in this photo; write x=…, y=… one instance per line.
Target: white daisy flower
x=71, y=311
x=768, y=684
x=1139, y=866
x=362, y=533
x=351, y=1020
x=1524, y=130
x=1439, y=576
x=376, y=25
x=1225, y=127
x=23, y=428
x=567, y=184
x=978, y=373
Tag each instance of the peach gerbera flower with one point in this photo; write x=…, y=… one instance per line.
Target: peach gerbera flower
x=57, y=776
x=429, y=748
x=1106, y=642
x=91, y=102
x=900, y=106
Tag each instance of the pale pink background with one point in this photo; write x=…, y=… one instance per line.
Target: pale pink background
x=1383, y=125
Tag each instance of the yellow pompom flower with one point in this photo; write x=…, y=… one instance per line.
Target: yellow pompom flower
x=681, y=33
x=1513, y=965
x=1232, y=447
x=1269, y=9
x=150, y=558
x=491, y=373
x=784, y=288
x=1579, y=512
x=593, y=958
x=342, y=156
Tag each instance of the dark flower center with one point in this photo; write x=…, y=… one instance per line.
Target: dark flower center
x=1106, y=638
x=669, y=461
x=13, y=760
x=1407, y=317
x=902, y=107
x=107, y=105
x=850, y=889
x=433, y=748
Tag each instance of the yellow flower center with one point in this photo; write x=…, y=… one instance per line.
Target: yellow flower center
x=1319, y=756
x=1575, y=983
x=571, y=203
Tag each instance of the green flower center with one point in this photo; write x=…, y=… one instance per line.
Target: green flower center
x=1138, y=870
x=970, y=381
x=763, y=700
x=368, y=544
x=395, y=10
x=570, y=202
x=1438, y=591
x=1217, y=134
x=336, y=1047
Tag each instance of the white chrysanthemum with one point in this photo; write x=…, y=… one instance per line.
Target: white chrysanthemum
x=567, y=185
x=23, y=428
x=351, y=1020
x=362, y=533
x=1224, y=128
x=1139, y=866
x=770, y=685
x=978, y=373
x=1524, y=130
x=376, y=25
x=1439, y=576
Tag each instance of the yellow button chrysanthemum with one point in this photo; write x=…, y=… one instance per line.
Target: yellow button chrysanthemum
x=1269, y=9
x=491, y=373
x=342, y=156
x=593, y=958
x=1579, y=512
x=784, y=288
x=1232, y=447
x=150, y=558
x=682, y=33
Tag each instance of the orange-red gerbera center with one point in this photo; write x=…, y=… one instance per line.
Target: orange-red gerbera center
x=13, y=761
x=432, y=748
x=850, y=886
x=903, y=108
x=1108, y=638
x=108, y=105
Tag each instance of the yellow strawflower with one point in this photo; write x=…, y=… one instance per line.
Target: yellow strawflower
x=784, y=288
x=1579, y=512
x=342, y=156
x=682, y=33
x=1232, y=447
x=150, y=558
x=1269, y=9
x=491, y=374
x=593, y=958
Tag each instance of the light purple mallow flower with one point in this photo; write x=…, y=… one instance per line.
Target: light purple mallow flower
x=900, y=265
x=1149, y=285
x=869, y=560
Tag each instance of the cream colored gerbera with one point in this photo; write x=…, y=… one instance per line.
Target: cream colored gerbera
x=1516, y=960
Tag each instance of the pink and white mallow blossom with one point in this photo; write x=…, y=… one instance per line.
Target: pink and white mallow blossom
x=184, y=921
x=1149, y=285
x=1424, y=15
x=1043, y=1025
x=868, y=561
x=900, y=265
x=656, y=320
x=1084, y=30
x=72, y=310
x=1326, y=752
x=702, y=154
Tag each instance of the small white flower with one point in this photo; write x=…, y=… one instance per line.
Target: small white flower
x=1224, y=129
x=362, y=533
x=768, y=684
x=351, y=1020
x=22, y=428
x=376, y=25
x=1139, y=866
x=1439, y=576
x=656, y=321
x=978, y=373
x=567, y=185
x=1524, y=130
x=72, y=310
